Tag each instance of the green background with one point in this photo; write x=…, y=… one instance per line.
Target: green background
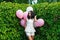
x=27, y=1
x=10, y=28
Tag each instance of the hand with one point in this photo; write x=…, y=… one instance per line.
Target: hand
x=35, y=16
x=35, y=19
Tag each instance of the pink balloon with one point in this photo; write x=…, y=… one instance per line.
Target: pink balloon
x=22, y=22
x=25, y=15
x=19, y=14
x=39, y=23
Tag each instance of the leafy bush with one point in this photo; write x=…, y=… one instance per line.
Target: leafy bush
x=10, y=29
x=27, y=1
x=15, y=1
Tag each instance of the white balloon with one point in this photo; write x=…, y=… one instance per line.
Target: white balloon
x=29, y=9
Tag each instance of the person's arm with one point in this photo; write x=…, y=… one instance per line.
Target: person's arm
x=35, y=19
x=25, y=24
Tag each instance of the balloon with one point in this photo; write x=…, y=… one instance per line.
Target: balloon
x=29, y=9
x=19, y=14
x=39, y=23
x=22, y=22
x=25, y=15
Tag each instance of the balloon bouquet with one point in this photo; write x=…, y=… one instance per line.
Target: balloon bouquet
x=20, y=14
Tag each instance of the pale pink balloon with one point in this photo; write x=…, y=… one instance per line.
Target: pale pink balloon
x=23, y=22
x=25, y=15
x=19, y=14
x=39, y=23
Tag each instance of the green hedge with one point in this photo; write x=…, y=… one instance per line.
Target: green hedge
x=27, y=1
x=15, y=1
x=10, y=29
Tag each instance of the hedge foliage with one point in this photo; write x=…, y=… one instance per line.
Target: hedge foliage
x=15, y=1
x=27, y=1
x=10, y=29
